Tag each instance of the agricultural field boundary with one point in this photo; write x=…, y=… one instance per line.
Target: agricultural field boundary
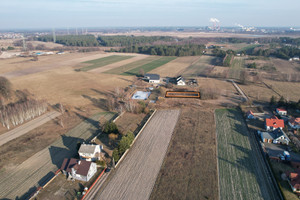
x=103, y=61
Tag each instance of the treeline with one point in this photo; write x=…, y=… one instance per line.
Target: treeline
x=71, y=40
x=121, y=41
x=283, y=52
x=164, y=50
x=18, y=113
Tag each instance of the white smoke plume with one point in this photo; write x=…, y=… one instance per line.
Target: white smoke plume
x=214, y=20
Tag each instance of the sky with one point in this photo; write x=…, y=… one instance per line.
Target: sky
x=147, y=13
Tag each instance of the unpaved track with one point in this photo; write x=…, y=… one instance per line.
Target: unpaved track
x=28, y=175
x=135, y=177
x=25, y=128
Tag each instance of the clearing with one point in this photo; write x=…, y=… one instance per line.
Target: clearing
x=289, y=90
x=199, y=66
x=120, y=70
x=189, y=170
x=236, y=66
x=240, y=176
x=135, y=177
x=149, y=66
x=103, y=61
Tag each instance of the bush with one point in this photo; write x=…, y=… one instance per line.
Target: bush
x=116, y=154
x=102, y=163
x=5, y=87
x=110, y=127
x=252, y=65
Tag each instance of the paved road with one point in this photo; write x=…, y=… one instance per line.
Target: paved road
x=14, y=183
x=137, y=173
x=28, y=126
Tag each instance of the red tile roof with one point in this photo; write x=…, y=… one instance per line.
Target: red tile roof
x=81, y=166
x=275, y=122
x=281, y=109
x=249, y=113
x=295, y=121
x=295, y=180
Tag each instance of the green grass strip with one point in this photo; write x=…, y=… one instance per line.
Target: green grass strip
x=103, y=61
x=149, y=66
x=120, y=70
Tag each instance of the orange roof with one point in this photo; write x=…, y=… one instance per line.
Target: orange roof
x=249, y=112
x=275, y=122
x=281, y=109
x=295, y=121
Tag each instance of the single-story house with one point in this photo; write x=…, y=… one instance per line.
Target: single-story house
x=295, y=123
x=90, y=152
x=294, y=181
x=281, y=111
x=180, y=80
x=276, y=136
x=296, y=58
x=152, y=78
x=274, y=123
x=81, y=170
x=250, y=114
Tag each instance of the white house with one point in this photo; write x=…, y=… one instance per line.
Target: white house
x=296, y=58
x=180, y=80
x=81, y=170
x=152, y=78
x=277, y=136
x=281, y=111
x=295, y=123
x=90, y=152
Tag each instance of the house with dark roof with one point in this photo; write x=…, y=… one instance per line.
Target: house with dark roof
x=295, y=122
x=281, y=111
x=274, y=123
x=81, y=170
x=276, y=136
x=152, y=78
x=90, y=152
x=294, y=181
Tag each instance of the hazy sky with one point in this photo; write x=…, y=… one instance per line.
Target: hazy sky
x=112, y=13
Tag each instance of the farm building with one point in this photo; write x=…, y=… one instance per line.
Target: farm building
x=277, y=136
x=274, y=123
x=250, y=115
x=90, y=152
x=180, y=80
x=78, y=169
x=295, y=123
x=281, y=111
x=294, y=181
x=152, y=78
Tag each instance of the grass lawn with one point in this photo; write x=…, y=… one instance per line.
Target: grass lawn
x=237, y=64
x=237, y=173
x=103, y=61
x=149, y=66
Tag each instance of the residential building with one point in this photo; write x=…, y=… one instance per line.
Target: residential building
x=276, y=136
x=294, y=181
x=90, y=152
x=295, y=122
x=250, y=114
x=81, y=170
x=274, y=123
x=180, y=80
x=281, y=111
x=152, y=78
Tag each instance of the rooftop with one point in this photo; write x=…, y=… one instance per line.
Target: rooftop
x=81, y=166
x=152, y=76
x=275, y=122
x=87, y=148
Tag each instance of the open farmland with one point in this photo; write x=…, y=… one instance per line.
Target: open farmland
x=240, y=174
x=175, y=67
x=93, y=64
x=189, y=170
x=36, y=170
x=199, y=66
x=289, y=90
x=120, y=70
x=236, y=66
x=135, y=177
x=149, y=66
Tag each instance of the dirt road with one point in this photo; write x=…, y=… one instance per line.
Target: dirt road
x=25, y=178
x=25, y=128
x=135, y=177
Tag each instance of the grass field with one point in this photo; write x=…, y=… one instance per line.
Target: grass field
x=198, y=67
x=237, y=64
x=248, y=48
x=238, y=178
x=289, y=90
x=130, y=66
x=103, y=61
x=149, y=66
x=189, y=170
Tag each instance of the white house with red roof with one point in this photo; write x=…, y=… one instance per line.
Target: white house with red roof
x=295, y=123
x=274, y=123
x=281, y=111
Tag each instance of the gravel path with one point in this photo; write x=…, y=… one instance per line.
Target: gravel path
x=135, y=177
x=14, y=183
x=25, y=128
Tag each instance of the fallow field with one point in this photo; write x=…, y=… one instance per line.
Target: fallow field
x=240, y=177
